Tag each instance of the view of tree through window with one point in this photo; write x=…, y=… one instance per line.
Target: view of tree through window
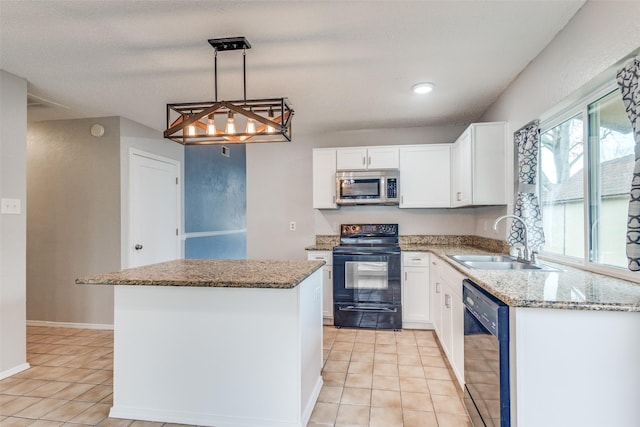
x=608, y=158
x=562, y=187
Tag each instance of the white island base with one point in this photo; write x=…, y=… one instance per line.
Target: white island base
x=218, y=356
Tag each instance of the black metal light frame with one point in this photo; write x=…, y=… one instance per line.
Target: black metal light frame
x=188, y=123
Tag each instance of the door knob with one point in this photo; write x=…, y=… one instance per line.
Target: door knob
x=138, y=247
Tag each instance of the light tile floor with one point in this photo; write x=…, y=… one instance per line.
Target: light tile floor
x=371, y=378
x=386, y=379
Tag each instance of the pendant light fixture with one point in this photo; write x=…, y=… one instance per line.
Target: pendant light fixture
x=262, y=120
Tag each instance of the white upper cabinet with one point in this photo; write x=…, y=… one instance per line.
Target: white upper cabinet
x=425, y=176
x=479, y=166
x=363, y=158
x=324, y=178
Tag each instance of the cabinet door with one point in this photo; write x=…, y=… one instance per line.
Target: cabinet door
x=327, y=282
x=352, y=158
x=383, y=158
x=435, y=295
x=462, y=171
x=457, y=336
x=488, y=153
x=324, y=179
x=453, y=319
x=425, y=180
x=445, y=337
x=415, y=295
x=327, y=293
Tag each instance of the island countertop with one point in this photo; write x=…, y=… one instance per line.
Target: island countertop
x=212, y=273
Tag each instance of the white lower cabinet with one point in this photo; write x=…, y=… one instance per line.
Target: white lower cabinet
x=327, y=283
x=450, y=322
x=415, y=291
x=435, y=294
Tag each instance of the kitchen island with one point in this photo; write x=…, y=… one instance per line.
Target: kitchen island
x=217, y=342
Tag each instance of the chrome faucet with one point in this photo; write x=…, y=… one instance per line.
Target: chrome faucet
x=528, y=256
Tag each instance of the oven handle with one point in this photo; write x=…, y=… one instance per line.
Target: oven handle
x=368, y=253
x=364, y=308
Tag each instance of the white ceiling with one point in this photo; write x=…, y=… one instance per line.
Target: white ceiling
x=343, y=64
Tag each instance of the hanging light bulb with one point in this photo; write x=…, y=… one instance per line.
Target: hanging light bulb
x=231, y=126
x=191, y=130
x=270, y=128
x=211, y=126
x=251, y=126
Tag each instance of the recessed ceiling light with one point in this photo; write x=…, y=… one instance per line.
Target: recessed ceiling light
x=422, y=87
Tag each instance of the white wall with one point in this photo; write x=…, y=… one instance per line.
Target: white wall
x=581, y=57
x=599, y=35
x=73, y=224
x=279, y=182
x=13, y=228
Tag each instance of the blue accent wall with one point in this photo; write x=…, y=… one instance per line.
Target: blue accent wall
x=215, y=198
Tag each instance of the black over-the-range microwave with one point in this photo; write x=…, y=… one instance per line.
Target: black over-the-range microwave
x=372, y=187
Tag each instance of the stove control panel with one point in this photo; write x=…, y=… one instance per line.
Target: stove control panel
x=373, y=230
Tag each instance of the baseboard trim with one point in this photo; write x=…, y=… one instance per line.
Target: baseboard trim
x=311, y=403
x=14, y=370
x=417, y=325
x=193, y=418
x=48, y=324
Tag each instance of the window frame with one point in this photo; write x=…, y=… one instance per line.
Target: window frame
x=581, y=106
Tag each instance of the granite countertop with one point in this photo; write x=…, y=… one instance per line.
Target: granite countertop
x=570, y=288
x=321, y=247
x=212, y=273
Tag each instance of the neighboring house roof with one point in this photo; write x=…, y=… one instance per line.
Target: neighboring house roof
x=615, y=180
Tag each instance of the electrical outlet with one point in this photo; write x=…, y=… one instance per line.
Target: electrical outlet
x=292, y=226
x=10, y=206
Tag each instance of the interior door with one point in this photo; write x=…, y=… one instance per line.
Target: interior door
x=154, y=209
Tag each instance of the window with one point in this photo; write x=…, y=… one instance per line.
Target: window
x=562, y=187
x=587, y=181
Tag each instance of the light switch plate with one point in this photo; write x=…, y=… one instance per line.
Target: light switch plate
x=10, y=206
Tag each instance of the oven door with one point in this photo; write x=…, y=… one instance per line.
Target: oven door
x=367, y=278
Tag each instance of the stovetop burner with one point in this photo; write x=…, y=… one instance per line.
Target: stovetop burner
x=368, y=230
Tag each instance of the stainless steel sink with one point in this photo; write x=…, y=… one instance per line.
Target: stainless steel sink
x=482, y=258
x=498, y=262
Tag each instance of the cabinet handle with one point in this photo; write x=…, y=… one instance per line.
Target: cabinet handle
x=334, y=199
x=437, y=288
x=433, y=262
x=369, y=161
x=405, y=276
x=459, y=196
x=416, y=259
x=364, y=160
x=329, y=274
x=447, y=300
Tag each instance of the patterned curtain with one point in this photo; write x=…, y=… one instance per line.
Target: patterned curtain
x=628, y=79
x=527, y=141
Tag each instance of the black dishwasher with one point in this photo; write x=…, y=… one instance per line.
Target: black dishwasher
x=486, y=358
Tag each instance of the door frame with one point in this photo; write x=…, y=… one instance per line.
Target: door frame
x=129, y=210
